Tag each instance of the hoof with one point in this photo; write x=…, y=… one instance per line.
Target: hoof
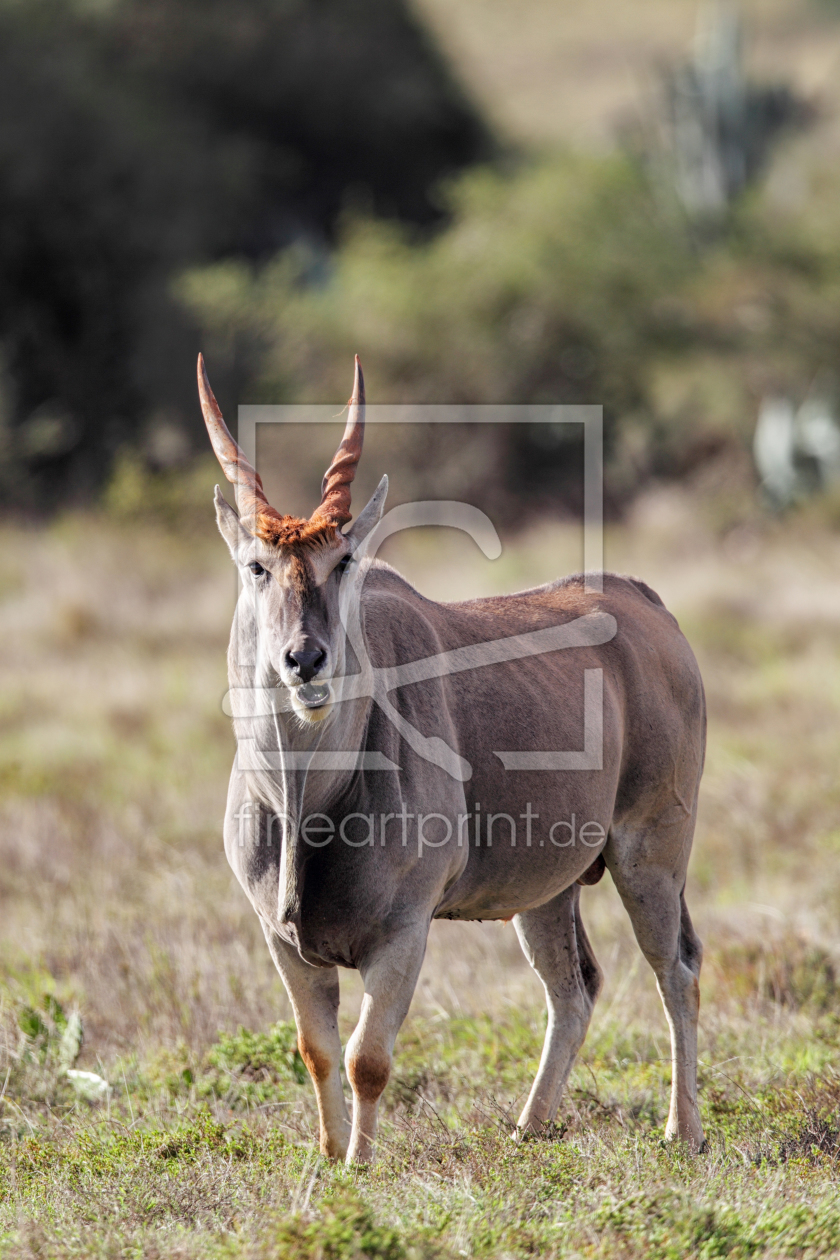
x=691, y=1143
x=546, y=1131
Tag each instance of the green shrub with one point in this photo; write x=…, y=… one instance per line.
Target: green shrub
x=244, y=1068
x=564, y=279
x=345, y=1229
x=255, y=1056
x=549, y=286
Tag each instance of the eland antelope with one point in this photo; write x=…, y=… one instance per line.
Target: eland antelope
x=369, y=795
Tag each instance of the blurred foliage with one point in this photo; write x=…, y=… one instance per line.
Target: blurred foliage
x=141, y=136
x=278, y=181
x=567, y=279
x=179, y=499
x=546, y=288
x=789, y=970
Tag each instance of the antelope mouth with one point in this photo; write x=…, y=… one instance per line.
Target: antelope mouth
x=313, y=695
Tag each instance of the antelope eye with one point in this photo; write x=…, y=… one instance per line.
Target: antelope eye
x=343, y=564
x=256, y=568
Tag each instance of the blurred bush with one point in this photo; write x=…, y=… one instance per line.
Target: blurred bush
x=546, y=287
x=282, y=182
x=563, y=279
x=138, y=137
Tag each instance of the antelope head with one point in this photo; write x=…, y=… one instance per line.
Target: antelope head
x=291, y=567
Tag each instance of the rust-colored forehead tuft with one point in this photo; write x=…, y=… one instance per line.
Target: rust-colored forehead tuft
x=285, y=531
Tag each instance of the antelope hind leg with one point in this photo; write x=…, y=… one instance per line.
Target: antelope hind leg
x=314, y=995
x=652, y=890
x=557, y=947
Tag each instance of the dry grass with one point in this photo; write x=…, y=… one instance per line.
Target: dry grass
x=545, y=71
x=116, y=900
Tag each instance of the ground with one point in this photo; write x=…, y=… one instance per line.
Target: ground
x=118, y=906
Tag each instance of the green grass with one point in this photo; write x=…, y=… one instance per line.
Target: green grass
x=201, y=1167
x=118, y=908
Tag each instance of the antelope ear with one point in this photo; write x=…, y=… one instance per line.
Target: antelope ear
x=230, y=527
x=370, y=515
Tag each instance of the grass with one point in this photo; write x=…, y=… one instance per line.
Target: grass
x=118, y=909
x=546, y=72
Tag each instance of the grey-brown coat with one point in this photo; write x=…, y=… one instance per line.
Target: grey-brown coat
x=346, y=862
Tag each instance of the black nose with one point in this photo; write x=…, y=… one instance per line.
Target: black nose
x=306, y=664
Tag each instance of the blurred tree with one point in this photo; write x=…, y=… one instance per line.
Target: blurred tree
x=335, y=102
x=563, y=279
x=723, y=128
x=550, y=284
x=142, y=136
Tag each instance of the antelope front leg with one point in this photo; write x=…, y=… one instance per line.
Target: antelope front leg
x=389, y=978
x=314, y=995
